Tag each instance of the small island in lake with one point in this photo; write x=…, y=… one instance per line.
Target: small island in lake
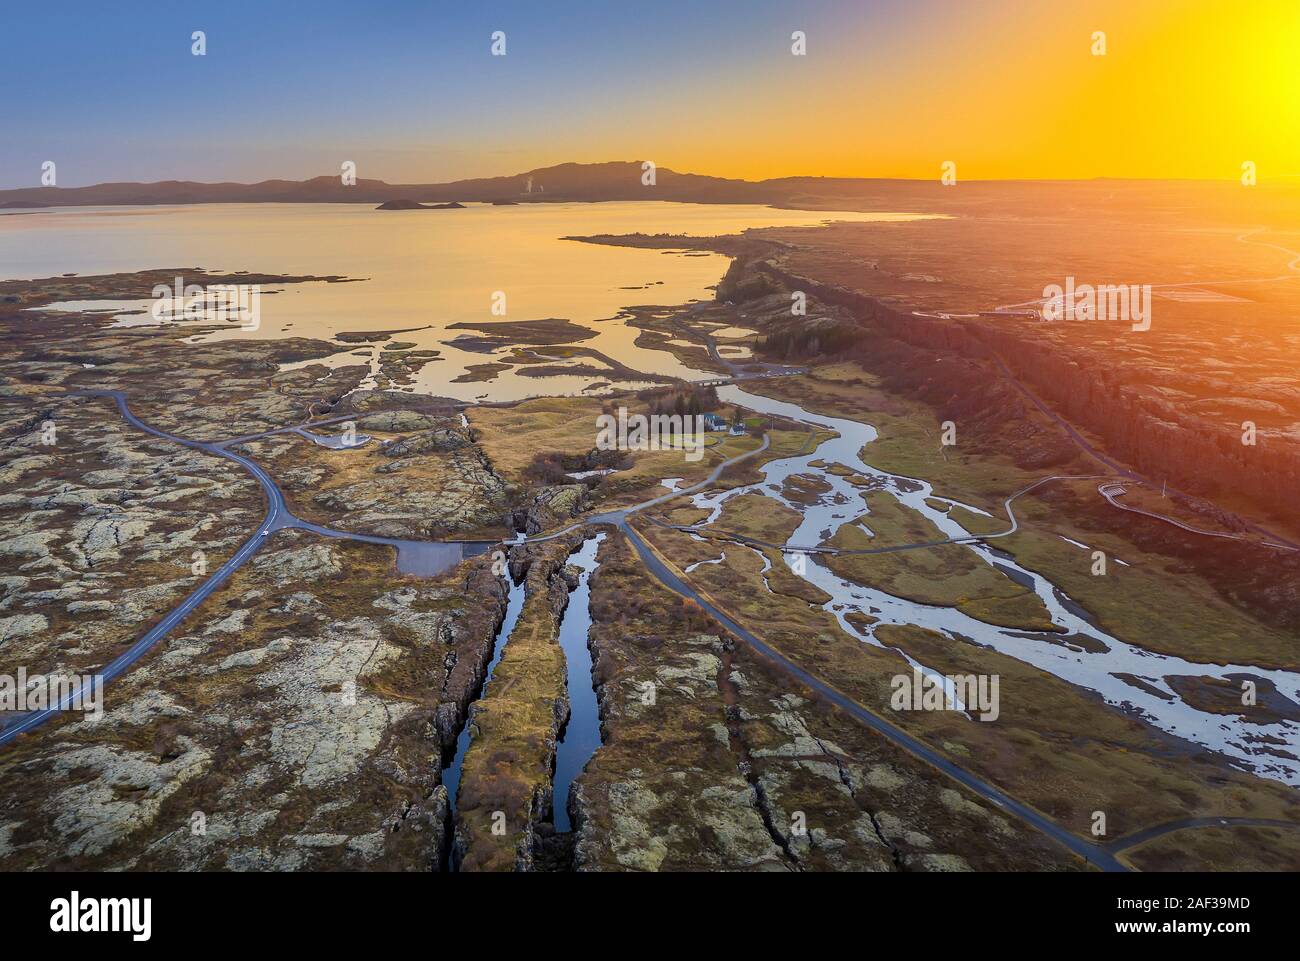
x=416, y=205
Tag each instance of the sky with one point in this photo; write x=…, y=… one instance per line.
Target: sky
x=410, y=91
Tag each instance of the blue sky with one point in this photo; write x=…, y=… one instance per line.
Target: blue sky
x=406, y=89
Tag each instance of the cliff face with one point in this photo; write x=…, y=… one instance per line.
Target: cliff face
x=1145, y=430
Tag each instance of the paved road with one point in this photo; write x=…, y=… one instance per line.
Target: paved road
x=278, y=517
x=735, y=371
x=1275, y=540
x=1114, y=491
x=339, y=419
x=1012, y=520
x=1100, y=856
x=1092, y=853
x=245, y=438
x=272, y=520
x=1097, y=455
x=618, y=516
x=414, y=556
x=1141, y=837
x=738, y=372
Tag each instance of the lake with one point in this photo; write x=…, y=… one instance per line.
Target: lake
x=420, y=267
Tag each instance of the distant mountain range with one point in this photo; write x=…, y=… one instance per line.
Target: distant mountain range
x=618, y=180
x=621, y=180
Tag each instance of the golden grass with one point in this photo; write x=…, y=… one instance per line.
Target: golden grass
x=951, y=576
x=507, y=767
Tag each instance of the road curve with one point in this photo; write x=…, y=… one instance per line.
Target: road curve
x=275, y=508
x=1185, y=824
x=278, y=517
x=618, y=516
x=1114, y=491
x=1082, y=443
x=918, y=545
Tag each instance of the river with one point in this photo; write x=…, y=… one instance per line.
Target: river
x=1093, y=667
x=581, y=735
x=433, y=269
x=514, y=605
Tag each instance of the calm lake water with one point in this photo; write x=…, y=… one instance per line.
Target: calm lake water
x=421, y=267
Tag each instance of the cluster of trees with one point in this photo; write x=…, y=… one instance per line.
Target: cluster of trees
x=679, y=400
x=549, y=467
x=810, y=341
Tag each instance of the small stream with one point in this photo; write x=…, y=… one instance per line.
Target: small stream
x=1096, y=665
x=514, y=604
x=581, y=736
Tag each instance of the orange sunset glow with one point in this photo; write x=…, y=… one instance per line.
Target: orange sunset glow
x=699, y=437
x=1186, y=89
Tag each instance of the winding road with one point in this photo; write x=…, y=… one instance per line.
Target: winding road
x=273, y=520
x=1112, y=492
x=413, y=556
x=617, y=517
x=1276, y=540
x=1159, y=830
x=279, y=517
x=822, y=549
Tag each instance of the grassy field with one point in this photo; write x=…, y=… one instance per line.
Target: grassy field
x=1056, y=746
x=725, y=717
x=951, y=576
x=1209, y=848
x=512, y=437
x=1158, y=601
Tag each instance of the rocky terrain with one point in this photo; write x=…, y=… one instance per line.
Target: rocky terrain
x=505, y=791
x=296, y=723
x=764, y=777
x=301, y=717
x=1170, y=401
x=105, y=529
x=986, y=376
x=418, y=476
x=1164, y=431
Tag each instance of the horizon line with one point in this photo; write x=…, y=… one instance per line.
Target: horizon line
x=662, y=169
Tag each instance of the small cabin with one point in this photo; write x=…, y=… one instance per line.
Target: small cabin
x=714, y=422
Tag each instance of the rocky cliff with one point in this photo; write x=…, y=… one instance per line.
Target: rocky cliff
x=1136, y=426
